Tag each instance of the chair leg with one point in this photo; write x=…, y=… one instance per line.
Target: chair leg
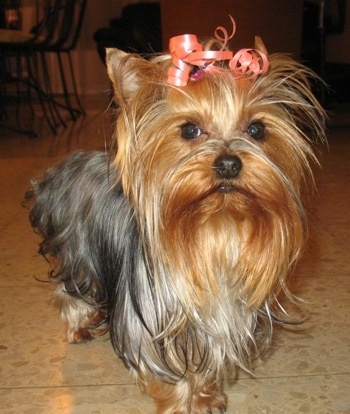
x=75, y=90
x=27, y=85
x=68, y=105
x=26, y=77
x=34, y=79
x=4, y=118
x=67, y=101
x=55, y=114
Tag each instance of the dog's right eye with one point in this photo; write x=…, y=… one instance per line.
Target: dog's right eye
x=190, y=131
x=256, y=130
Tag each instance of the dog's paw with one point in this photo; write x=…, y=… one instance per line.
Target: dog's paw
x=209, y=404
x=79, y=336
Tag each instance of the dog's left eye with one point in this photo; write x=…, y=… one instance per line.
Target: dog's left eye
x=190, y=131
x=256, y=130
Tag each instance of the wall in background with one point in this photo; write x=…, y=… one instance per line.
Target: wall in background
x=277, y=21
x=338, y=46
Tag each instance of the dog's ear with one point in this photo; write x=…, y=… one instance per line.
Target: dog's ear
x=127, y=73
x=259, y=45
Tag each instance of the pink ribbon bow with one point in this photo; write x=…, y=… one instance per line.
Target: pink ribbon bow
x=186, y=52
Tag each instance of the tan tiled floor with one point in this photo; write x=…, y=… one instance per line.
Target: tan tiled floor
x=307, y=371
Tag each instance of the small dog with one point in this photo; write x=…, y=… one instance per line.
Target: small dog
x=184, y=241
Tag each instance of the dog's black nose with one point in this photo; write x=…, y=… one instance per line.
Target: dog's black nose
x=227, y=166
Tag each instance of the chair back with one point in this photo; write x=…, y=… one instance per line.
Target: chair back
x=68, y=26
x=47, y=14
x=61, y=24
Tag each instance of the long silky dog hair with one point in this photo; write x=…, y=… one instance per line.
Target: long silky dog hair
x=183, y=243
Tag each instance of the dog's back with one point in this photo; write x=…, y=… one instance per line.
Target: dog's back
x=61, y=194
x=77, y=205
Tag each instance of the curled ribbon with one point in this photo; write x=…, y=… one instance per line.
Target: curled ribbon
x=186, y=52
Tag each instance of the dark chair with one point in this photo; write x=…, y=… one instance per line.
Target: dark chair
x=57, y=32
x=4, y=118
x=20, y=64
x=70, y=16
x=138, y=30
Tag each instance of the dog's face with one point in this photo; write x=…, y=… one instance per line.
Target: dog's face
x=215, y=167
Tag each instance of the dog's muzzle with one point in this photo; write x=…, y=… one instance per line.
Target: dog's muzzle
x=227, y=167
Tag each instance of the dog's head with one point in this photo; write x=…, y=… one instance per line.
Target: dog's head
x=214, y=166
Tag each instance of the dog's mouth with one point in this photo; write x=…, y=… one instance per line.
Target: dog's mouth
x=225, y=188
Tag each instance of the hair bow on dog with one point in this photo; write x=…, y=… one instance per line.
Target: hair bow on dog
x=186, y=52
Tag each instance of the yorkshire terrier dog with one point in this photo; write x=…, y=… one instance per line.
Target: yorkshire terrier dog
x=183, y=242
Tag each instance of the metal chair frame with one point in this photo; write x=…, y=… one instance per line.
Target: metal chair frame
x=67, y=31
